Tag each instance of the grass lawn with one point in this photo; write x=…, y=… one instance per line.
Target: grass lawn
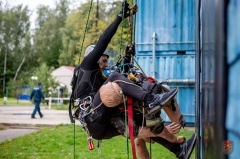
x=58, y=143
x=15, y=102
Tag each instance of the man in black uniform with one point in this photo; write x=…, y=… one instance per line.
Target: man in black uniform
x=88, y=78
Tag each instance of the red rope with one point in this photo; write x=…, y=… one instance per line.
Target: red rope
x=130, y=125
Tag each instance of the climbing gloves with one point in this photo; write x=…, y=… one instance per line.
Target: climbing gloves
x=130, y=51
x=126, y=11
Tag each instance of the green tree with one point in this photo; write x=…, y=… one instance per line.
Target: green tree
x=47, y=36
x=44, y=76
x=55, y=41
x=14, y=28
x=100, y=18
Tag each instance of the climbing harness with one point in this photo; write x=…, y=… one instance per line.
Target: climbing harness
x=131, y=76
x=72, y=106
x=130, y=21
x=79, y=108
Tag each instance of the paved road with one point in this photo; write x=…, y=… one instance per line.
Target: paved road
x=18, y=118
x=22, y=115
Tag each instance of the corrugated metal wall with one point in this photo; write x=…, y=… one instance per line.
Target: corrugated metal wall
x=170, y=55
x=233, y=56
x=217, y=64
x=172, y=20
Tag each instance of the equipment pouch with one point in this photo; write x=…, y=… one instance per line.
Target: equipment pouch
x=93, y=116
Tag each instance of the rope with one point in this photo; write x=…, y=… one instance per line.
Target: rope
x=125, y=121
x=134, y=24
x=131, y=125
x=130, y=21
x=84, y=35
x=85, y=30
x=150, y=148
x=138, y=65
x=120, y=60
x=121, y=38
x=74, y=142
x=123, y=9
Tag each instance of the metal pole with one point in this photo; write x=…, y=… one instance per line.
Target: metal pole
x=50, y=102
x=154, y=54
x=58, y=95
x=198, y=149
x=178, y=81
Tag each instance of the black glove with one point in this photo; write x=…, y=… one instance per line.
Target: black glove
x=130, y=51
x=126, y=10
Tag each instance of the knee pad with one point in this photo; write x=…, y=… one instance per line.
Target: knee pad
x=153, y=119
x=157, y=129
x=119, y=123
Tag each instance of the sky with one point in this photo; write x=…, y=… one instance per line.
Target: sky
x=33, y=4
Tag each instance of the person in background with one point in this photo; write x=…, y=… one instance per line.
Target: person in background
x=37, y=95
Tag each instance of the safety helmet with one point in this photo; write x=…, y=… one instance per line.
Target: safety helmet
x=111, y=94
x=90, y=49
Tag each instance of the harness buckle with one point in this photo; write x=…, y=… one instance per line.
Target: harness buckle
x=81, y=102
x=76, y=102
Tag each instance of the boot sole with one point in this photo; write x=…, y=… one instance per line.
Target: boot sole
x=191, y=147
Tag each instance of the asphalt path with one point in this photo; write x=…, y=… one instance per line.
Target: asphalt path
x=17, y=121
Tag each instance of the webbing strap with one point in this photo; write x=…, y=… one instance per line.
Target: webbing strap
x=130, y=125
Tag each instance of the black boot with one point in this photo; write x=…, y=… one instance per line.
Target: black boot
x=160, y=100
x=187, y=148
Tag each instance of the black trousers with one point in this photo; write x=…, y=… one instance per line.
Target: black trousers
x=101, y=128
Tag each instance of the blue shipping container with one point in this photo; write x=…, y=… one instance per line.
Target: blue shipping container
x=165, y=44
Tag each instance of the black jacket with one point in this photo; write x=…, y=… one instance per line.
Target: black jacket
x=87, y=76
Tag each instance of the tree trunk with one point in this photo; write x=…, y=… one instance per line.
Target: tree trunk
x=19, y=67
x=4, y=70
